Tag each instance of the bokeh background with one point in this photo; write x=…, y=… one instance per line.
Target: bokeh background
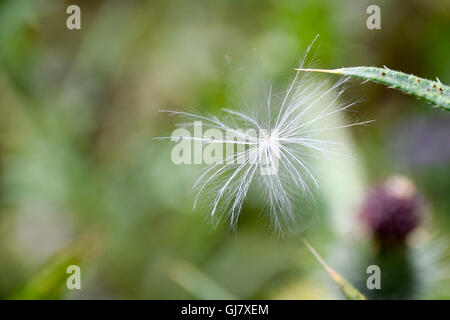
x=83, y=182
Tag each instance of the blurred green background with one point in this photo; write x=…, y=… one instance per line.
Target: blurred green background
x=82, y=181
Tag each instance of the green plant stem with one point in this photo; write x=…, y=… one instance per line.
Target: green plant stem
x=432, y=91
x=349, y=291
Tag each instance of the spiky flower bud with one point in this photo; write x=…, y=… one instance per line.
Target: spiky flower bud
x=393, y=209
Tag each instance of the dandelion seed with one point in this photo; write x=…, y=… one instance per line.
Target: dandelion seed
x=278, y=157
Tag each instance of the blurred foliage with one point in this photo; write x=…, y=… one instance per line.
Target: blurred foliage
x=49, y=282
x=78, y=111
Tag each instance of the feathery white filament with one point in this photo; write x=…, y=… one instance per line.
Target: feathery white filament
x=290, y=137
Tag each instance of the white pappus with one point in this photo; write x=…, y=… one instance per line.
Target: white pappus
x=283, y=135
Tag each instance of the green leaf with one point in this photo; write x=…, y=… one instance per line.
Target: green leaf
x=431, y=91
x=49, y=281
x=344, y=286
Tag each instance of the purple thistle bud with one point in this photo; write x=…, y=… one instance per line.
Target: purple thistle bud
x=393, y=209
